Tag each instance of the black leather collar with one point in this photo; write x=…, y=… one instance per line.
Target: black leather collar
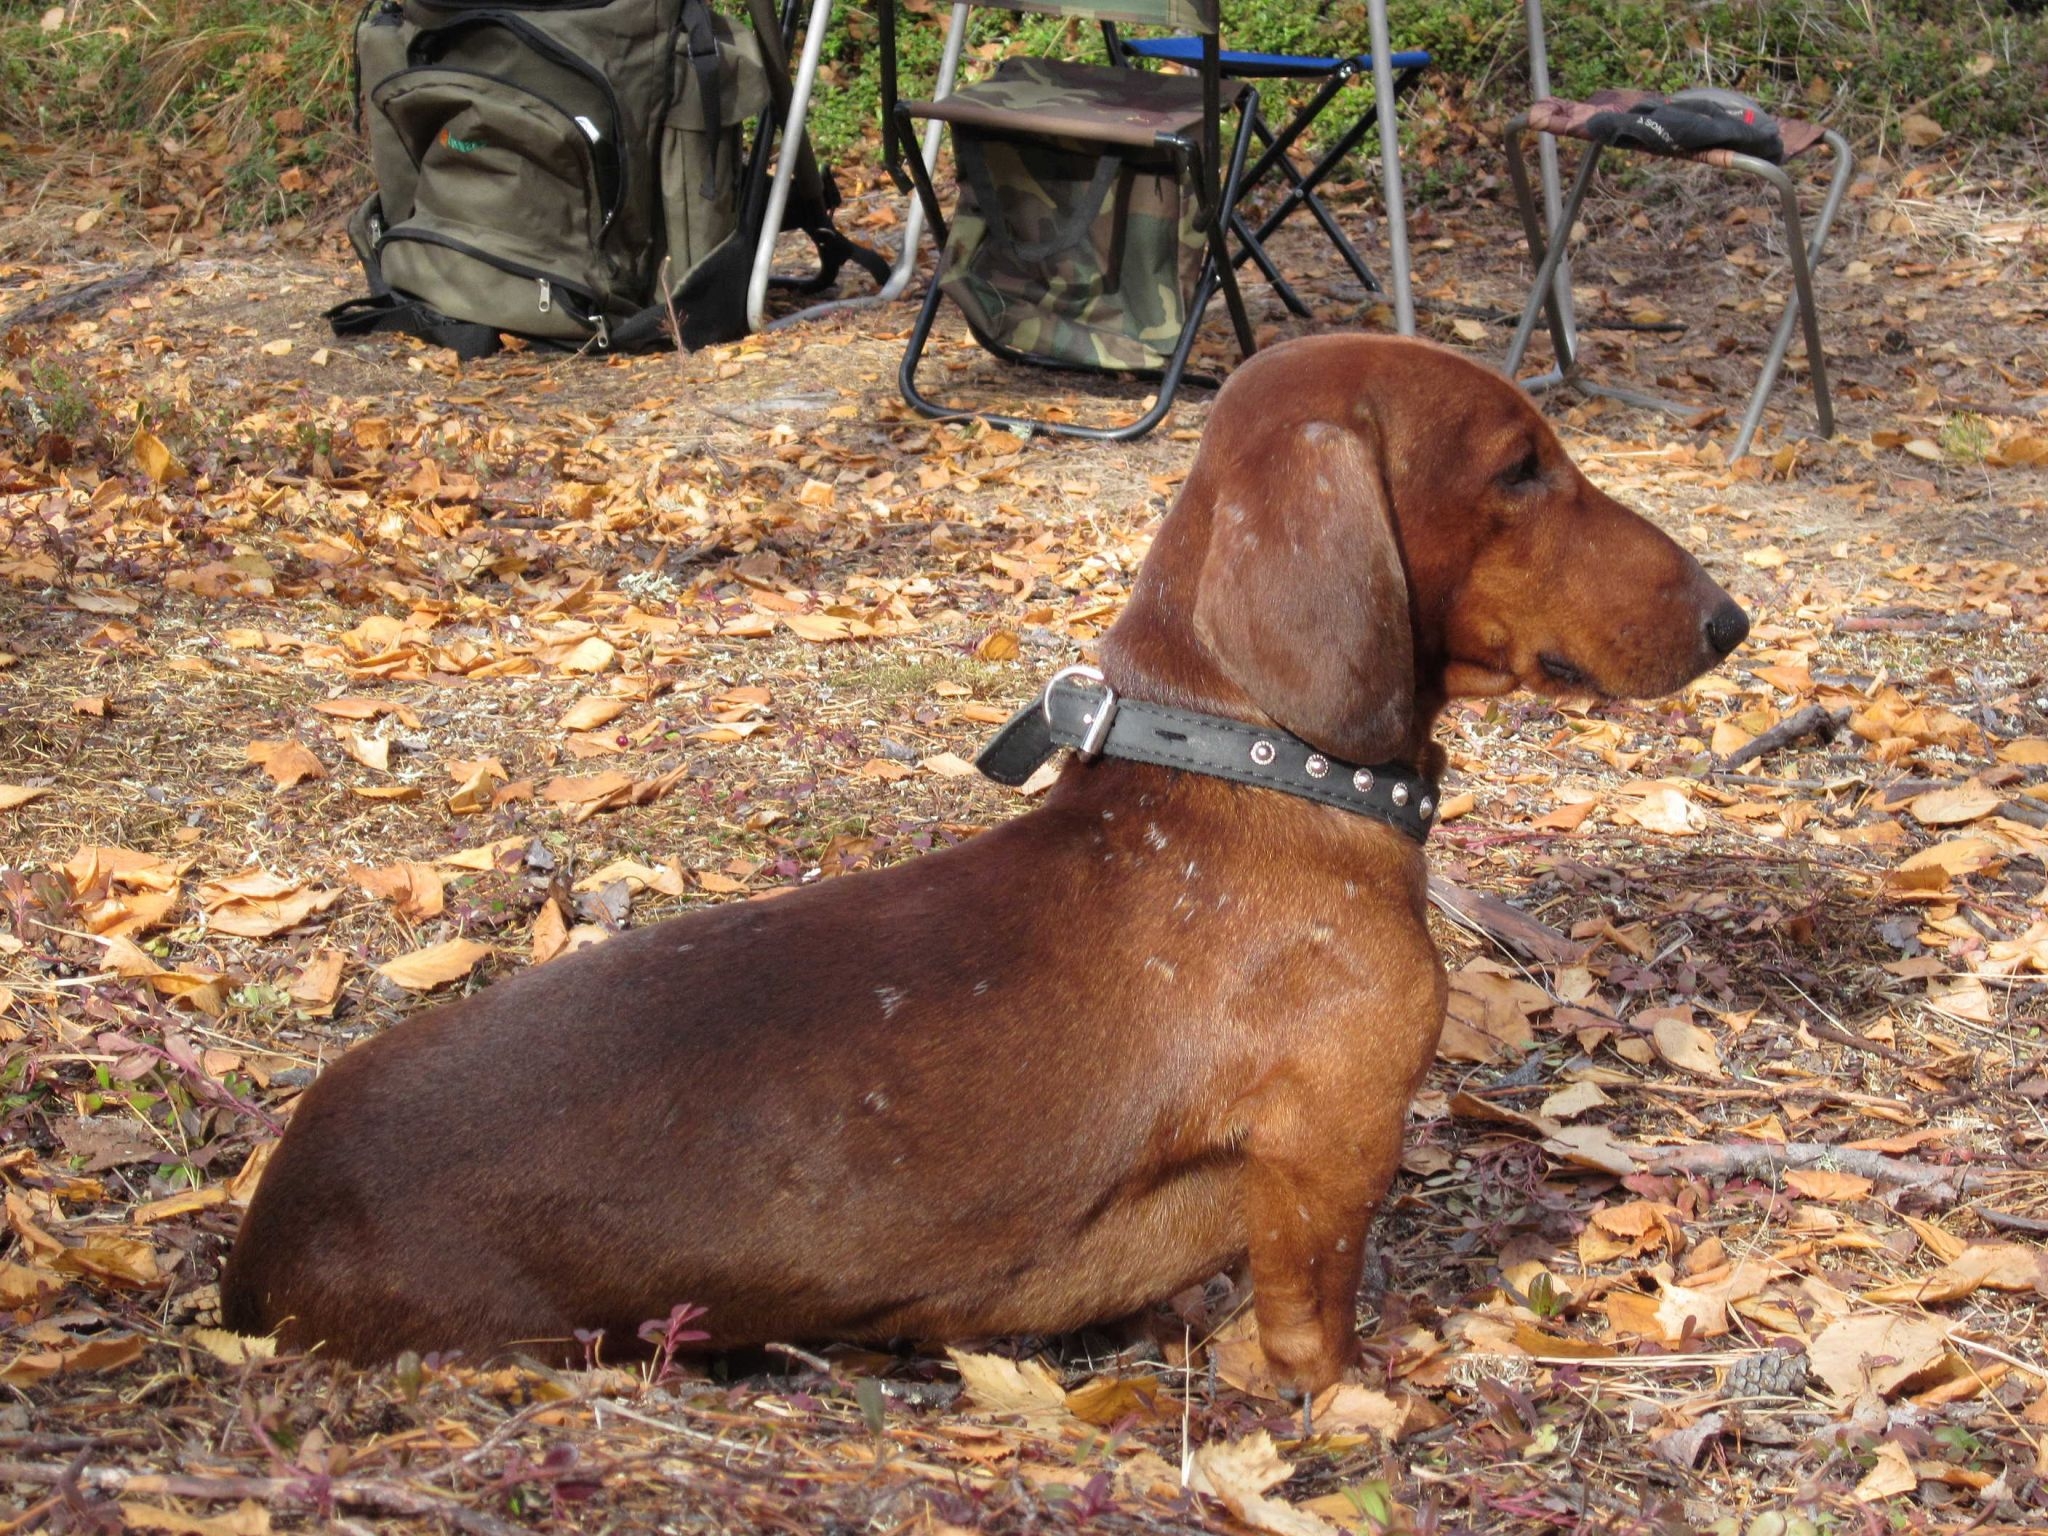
x=1078, y=710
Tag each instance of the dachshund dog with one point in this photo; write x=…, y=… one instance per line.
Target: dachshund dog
x=1074, y=1065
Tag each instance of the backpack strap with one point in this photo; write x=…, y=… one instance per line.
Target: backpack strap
x=704, y=64
x=388, y=311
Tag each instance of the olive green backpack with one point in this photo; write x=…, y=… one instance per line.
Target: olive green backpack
x=569, y=171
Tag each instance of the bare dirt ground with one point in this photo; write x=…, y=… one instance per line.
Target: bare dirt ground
x=335, y=678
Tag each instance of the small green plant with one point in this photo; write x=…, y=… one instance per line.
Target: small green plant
x=53, y=411
x=1966, y=437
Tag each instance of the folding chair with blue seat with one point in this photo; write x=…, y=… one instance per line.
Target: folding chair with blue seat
x=1093, y=202
x=1332, y=74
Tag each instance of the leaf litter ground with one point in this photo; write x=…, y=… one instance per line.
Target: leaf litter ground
x=338, y=678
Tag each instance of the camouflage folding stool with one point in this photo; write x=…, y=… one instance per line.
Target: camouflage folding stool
x=1089, y=226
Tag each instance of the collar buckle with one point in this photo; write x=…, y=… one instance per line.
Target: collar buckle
x=1098, y=719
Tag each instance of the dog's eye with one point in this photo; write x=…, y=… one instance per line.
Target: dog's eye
x=1524, y=472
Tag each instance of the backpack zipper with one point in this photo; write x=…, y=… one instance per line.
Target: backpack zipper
x=583, y=306
x=548, y=48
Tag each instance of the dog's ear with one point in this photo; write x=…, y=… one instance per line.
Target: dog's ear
x=1303, y=601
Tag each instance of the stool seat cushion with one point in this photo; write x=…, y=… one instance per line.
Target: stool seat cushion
x=1571, y=120
x=1096, y=102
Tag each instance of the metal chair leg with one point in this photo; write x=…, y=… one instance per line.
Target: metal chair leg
x=1301, y=193
x=1548, y=254
x=1805, y=252
x=1252, y=250
x=1218, y=220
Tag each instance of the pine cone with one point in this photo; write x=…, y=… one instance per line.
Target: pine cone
x=1768, y=1373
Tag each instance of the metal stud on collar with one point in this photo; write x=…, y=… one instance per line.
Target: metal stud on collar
x=1427, y=807
x=1262, y=753
x=1362, y=781
x=1399, y=794
x=1317, y=765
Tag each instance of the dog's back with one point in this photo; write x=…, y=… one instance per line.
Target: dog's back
x=959, y=1095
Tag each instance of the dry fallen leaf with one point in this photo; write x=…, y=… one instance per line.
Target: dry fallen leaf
x=999, y=1386
x=249, y=1518
x=1993, y=1266
x=318, y=983
x=550, y=932
x=1890, y=1476
x=437, y=964
x=1348, y=1408
x=370, y=751
x=588, y=714
x=1592, y=1146
x=100, y=1354
x=1676, y=1312
x=234, y=1348
x=1239, y=1472
x=285, y=761
x=255, y=903
x=1660, y=808
x=1108, y=1400
x=1920, y=130
x=157, y=461
x=1826, y=1184
x=594, y=789
x=1881, y=1351
x=415, y=889
x=1947, y=807
x=1684, y=1044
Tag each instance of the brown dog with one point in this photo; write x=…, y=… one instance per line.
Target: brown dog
x=1074, y=1065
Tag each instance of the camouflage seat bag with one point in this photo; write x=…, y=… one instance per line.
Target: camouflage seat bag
x=1081, y=251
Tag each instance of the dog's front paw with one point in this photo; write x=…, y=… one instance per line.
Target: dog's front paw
x=1306, y=1358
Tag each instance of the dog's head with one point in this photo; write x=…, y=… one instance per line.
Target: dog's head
x=1373, y=525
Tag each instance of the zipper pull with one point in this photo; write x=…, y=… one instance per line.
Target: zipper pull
x=547, y=295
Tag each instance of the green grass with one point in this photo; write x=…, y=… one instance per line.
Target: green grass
x=1979, y=69
x=239, y=110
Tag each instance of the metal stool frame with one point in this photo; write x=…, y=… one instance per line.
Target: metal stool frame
x=1548, y=252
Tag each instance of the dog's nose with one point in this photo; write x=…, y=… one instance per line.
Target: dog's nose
x=1727, y=627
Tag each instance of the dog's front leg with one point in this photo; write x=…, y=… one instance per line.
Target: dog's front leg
x=1311, y=1187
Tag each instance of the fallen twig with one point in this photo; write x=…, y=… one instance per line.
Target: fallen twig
x=2009, y=1221
x=2024, y=811
x=817, y=1363
x=1839, y=1036
x=1814, y=720
x=1506, y=922
x=1910, y=624
x=311, y=1492
x=1758, y=1159
x=86, y=299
